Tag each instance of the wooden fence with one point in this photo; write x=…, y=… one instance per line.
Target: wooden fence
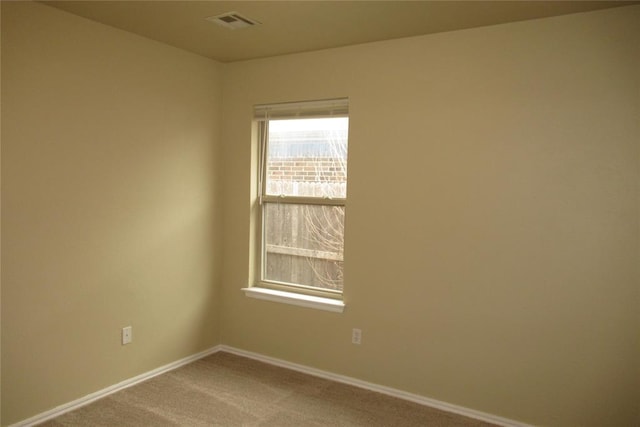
x=304, y=244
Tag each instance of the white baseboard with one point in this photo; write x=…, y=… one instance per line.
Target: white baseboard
x=67, y=407
x=437, y=404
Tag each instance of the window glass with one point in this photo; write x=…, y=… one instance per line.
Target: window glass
x=304, y=244
x=307, y=157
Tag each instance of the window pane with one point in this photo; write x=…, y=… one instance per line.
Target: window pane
x=304, y=244
x=307, y=157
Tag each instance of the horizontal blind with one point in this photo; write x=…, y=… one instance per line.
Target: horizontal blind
x=302, y=110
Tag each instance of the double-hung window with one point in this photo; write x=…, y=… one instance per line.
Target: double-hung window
x=302, y=196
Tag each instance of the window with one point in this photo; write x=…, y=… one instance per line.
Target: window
x=302, y=196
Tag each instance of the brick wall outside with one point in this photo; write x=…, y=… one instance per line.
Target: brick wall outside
x=302, y=169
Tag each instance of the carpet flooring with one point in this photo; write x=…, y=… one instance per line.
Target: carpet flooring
x=228, y=390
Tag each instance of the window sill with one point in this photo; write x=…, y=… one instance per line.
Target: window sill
x=301, y=300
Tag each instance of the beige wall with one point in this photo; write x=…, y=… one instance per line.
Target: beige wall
x=494, y=266
x=492, y=222
x=110, y=206
x=0, y=221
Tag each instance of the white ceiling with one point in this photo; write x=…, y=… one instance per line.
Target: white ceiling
x=300, y=26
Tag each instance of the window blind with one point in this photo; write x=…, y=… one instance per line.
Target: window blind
x=302, y=110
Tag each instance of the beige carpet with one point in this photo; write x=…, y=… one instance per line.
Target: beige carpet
x=228, y=390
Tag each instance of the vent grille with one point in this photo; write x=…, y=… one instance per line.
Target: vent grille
x=233, y=20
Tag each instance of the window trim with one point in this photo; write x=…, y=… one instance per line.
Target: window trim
x=291, y=293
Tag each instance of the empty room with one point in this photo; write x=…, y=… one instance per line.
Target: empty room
x=320, y=213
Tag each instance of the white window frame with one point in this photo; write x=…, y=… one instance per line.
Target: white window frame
x=291, y=293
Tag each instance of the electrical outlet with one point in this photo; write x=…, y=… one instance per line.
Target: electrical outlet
x=127, y=335
x=356, y=336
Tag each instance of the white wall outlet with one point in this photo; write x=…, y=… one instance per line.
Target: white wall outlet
x=127, y=335
x=356, y=336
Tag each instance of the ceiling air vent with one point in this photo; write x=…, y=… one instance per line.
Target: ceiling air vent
x=233, y=20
